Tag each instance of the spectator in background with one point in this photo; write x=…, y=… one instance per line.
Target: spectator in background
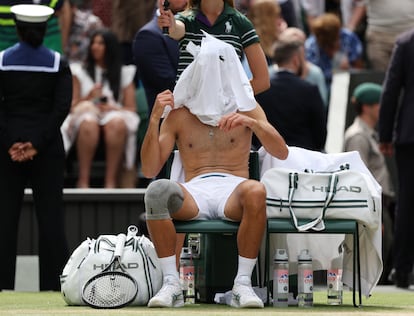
x=354, y=19
x=243, y=5
x=349, y=11
x=333, y=47
x=127, y=18
x=103, y=9
x=311, y=73
x=84, y=24
x=312, y=9
x=58, y=25
x=268, y=22
x=363, y=137
x=315, y=8
x=288, y=12
x=385, y=21
x=220, y=19
x=292, y=105
x=352, y=13
x=35, y=96
x=103, y=106
x=396, y=132
x=156, y=55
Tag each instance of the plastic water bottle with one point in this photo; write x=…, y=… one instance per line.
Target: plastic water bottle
x=187, y=275
x=334, y=282
x=305, y=279
x=280, y=278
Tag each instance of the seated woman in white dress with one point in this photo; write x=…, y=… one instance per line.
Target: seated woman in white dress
x=103, y=105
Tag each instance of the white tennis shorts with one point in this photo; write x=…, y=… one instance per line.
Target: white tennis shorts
x=211, y=192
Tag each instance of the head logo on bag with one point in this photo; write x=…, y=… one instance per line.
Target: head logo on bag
x=350, y=188
x=93, y=256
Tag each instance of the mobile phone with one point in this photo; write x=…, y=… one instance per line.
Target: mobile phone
x=166, y=6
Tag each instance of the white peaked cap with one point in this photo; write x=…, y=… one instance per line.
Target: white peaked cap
x=32, y=13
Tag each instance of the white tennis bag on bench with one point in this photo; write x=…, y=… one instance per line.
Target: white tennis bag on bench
x=139, y=259
x=341, y=194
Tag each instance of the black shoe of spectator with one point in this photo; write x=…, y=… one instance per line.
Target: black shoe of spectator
x=384, y=281
x=402, y=280
x=403, y=284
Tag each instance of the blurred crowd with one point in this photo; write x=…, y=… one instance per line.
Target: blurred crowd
x=336, y=35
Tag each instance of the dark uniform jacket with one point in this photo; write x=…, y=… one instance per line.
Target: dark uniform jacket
x=35, y=97
x=29, y=110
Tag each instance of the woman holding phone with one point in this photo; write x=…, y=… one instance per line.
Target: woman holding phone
x=104, y=107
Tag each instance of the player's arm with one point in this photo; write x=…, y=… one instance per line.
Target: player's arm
x=158, y=142
x=256, y=120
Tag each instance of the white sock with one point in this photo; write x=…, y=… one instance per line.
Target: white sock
x=169, y=267
x=246, y=266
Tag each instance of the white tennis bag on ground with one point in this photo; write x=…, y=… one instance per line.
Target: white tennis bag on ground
x=139, y=259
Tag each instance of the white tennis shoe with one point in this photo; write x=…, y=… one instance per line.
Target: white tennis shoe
x=243, y=295
x=170, y=294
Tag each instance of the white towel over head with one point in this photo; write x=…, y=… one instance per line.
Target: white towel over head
x=215, y=83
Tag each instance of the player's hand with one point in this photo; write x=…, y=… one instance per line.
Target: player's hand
x=232, y=120
x=164, y=101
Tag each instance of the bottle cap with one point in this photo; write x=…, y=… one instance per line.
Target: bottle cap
x=304, y=255
x=281, y=255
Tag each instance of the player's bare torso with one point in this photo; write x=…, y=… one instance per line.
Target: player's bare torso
x=206, y=149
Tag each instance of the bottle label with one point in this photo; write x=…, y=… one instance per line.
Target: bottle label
x=334, y=284
x=186, y=275
x=307, y=281
x=282, y=277
x=188, y=284
x=334, y=279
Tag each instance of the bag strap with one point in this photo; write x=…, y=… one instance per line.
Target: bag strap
x=342, y=167
x=316, y=224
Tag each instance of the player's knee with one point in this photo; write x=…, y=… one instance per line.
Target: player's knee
x=162, y=198
x=253, y=191
x=259, y=191
x=254, y=198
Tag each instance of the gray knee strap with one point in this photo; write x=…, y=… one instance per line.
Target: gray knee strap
x=162, y=198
